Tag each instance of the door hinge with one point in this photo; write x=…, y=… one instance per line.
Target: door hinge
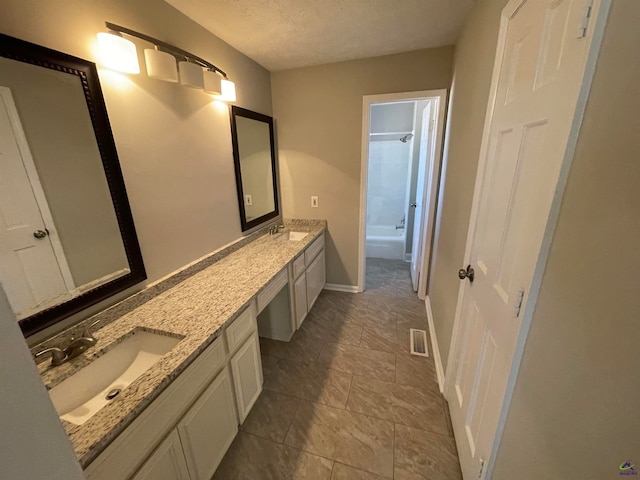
x=584, y=24
x=518, y=306
x=481, y=468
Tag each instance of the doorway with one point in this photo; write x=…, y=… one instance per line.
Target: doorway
x=401, y=150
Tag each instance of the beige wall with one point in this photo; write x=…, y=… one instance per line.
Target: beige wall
x=574, y=412
x=174, y=144
x=318, y=114
x=475, y=53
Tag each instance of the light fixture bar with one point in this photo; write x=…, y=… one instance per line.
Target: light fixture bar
x=166, y=46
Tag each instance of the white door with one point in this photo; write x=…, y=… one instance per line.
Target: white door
x=166, y=462
x=315, y=279
x=421, y=198
x=33, y=270
x=536, y=84
x=208, y=428
x=300, y=295
x=246, y=369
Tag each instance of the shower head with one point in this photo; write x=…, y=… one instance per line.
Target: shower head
x=406, y=137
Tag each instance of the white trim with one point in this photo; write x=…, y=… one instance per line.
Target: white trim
x=367, y=101
x=437, y=359
x=36, y=186
x=336, y=287
x=600, y=10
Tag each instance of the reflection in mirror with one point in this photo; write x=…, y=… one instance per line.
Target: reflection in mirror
x=254, y=157
x=66, y=235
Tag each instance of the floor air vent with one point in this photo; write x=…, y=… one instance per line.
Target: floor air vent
x=419, y=342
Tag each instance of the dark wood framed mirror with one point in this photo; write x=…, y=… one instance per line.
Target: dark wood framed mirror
x=66, y=228
x=254, y=157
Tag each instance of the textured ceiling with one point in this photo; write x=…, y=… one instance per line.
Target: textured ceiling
x=283, y=34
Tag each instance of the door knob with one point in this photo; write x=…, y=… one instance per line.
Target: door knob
x=40, y=233
x=413, y=205
x=468, y=273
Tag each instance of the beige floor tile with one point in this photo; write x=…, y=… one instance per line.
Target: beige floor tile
x=416, y=371
x=271, y=416
x=358, y=360
x=415, y=407
x=310, y=382
x=356, y=440
x=424, y=455
x=334, y=330
x=392, y=341
x=302, y=348
x=254, y=458
x=345, y=472
x=405, y=321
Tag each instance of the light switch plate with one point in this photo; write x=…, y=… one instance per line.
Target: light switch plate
x=248, y=200
x=314, y=201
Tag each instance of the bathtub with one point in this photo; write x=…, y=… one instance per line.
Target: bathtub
x=385, y=242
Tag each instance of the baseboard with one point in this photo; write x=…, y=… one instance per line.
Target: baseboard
x=434, y=346
x=336, y=287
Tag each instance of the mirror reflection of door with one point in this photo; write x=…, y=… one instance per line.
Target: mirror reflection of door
x=59, y=233
x=254, y=145
x=33, y=268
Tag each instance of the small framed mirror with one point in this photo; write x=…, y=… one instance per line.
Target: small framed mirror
x=255, y=165
x=67, y=238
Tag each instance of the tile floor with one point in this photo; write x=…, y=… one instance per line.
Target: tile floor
x=344, y=399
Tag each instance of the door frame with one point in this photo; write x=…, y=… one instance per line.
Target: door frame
x=440, y=96
x=36, y=186
x=602, y=8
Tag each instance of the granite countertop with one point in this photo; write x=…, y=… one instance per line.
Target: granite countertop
x=197, y=309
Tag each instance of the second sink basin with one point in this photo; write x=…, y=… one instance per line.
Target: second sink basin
x=82, y=395
x=293, y=236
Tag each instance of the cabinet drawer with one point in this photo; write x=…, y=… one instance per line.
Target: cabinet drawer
x=313, y=250
x=272, y=289
x=298, y=266
x=241, y=328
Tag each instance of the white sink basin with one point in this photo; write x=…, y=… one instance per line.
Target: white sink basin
x=82, y=395
x=293, y=236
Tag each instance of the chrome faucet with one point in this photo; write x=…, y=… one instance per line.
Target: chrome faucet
x=273, y=229
x=76, y=347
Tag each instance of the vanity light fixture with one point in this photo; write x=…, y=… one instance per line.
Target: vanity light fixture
x=191, y=75
x=161, y=65
x=195, y=72
x=117, y=53
x=212, y=82
x=228, y=91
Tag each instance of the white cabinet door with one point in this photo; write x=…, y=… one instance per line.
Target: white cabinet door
x=300, y=292
x=315, y=279
x=246, y=367
x=166, y=463
x=208, y=428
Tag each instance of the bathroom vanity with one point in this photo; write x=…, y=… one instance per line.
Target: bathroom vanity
x=177, y=419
